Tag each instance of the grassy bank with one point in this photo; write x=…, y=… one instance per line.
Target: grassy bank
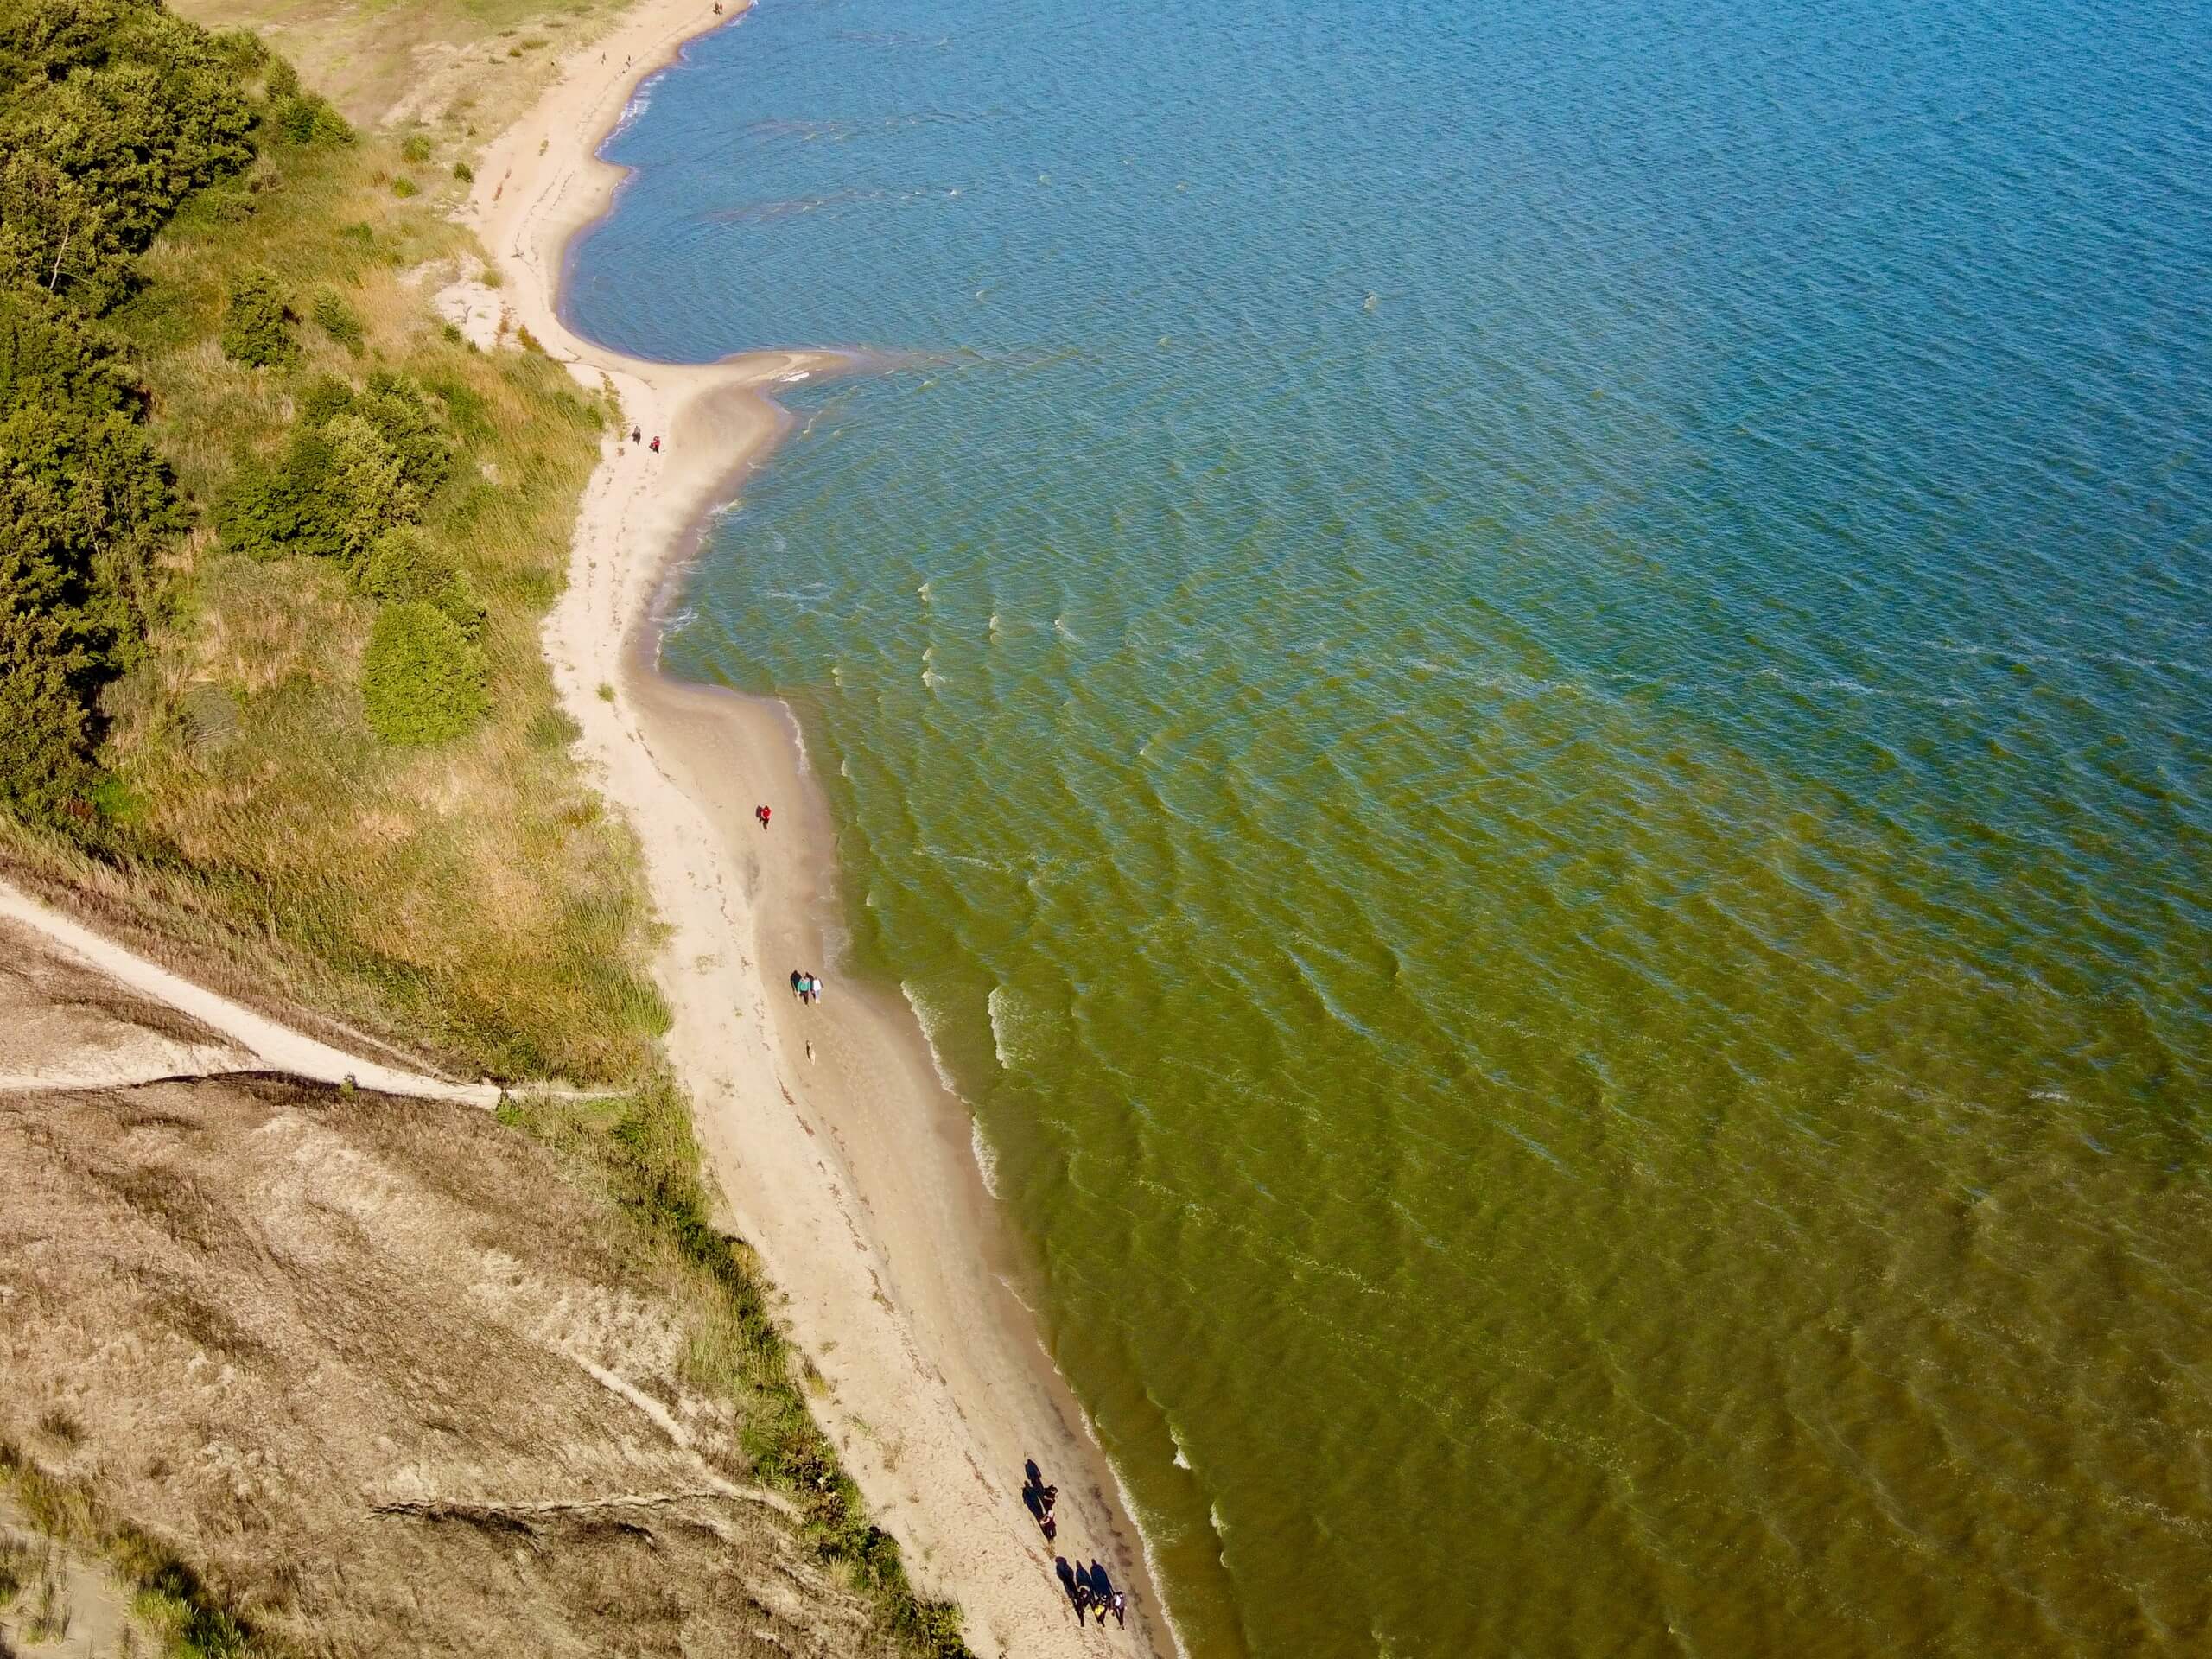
x=304, y=735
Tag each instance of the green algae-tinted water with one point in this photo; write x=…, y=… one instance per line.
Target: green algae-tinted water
x=1526, y=693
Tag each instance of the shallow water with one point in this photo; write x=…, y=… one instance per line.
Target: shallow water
x=1526, y=696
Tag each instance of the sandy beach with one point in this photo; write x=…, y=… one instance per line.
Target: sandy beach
x=850, y=1169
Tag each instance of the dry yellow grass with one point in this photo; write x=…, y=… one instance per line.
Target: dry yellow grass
x=391, y=1384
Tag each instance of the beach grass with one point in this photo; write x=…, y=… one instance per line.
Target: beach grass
x=638, y=1152
x=195, y=1620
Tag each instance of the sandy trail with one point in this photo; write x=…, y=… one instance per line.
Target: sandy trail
x=849, y=1172
x=266, y=1044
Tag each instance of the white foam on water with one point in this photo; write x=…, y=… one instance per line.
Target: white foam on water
x=987, y=1161
x=1060, y=627
x=1182, y=1456
x=928, y=1021
x=999, y=1005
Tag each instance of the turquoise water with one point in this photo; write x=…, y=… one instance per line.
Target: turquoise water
x=1526, y=694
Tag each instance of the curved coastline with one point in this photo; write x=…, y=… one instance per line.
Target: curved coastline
x=844, y=1160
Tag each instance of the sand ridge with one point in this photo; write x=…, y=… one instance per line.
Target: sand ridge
x=848, y=1168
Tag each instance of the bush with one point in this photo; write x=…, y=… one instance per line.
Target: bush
x=402, y=413
x=464, y=172
x=416, y=147
x=337, y=487
x=338, y=320
x=421, y=679
x=306, y=121
x=405, y=565
x=403, y=186
x=366, y=489
x=257, y=327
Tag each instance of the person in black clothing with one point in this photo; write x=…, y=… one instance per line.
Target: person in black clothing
x=1067, y=1582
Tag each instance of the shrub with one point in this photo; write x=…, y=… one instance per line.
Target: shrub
x=464, y=172
x=405, y=565
x=308, y=121
x=421, y=679
x=325, y=396
x=416, y=147
x=338, y=320
x=257, y=327
x=401, y=412
x=283, y=79
x=337, y=487
x=403, y=186
x=367, y=492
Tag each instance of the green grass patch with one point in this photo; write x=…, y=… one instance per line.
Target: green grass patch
x=195, y=1620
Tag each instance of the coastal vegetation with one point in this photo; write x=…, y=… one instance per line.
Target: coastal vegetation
x=226, y=399
x=276, y=542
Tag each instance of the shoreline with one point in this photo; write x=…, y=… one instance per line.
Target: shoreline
x=849, y=1168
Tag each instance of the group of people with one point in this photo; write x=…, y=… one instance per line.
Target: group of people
x=638, y=432
x=1090, y=1588
x=807, y=987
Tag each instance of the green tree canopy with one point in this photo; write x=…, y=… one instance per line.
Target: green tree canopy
x=111, y=112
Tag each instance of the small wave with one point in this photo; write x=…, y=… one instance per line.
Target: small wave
x=929, y=1021
x=1182, y=1453
x=924, y=590
x=1060, y=627
x=1538, y=1147
x=987, y=1161
x=1006, y=1021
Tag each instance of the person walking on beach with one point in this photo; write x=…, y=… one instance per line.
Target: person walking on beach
x=798, y=985
x=654, y=445
x=761, y=813
x=1067, y=1582
x=1121, y=1611
x=1048, y=1525
x=814, y=987
x=1050, y=1495
x=1101, y=1589
x=637, y=435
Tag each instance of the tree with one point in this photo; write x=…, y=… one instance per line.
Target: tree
x=85, y=502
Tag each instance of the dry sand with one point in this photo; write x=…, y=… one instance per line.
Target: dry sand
x=851, y=1173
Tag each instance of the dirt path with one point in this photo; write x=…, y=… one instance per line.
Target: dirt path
x=267, y=1045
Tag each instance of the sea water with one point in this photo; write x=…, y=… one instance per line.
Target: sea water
x=1525, y=693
